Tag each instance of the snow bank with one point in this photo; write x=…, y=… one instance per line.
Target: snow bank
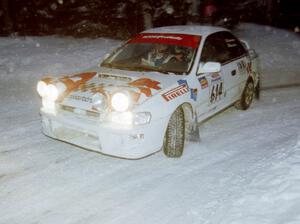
x=30, y=58
x=279, y=52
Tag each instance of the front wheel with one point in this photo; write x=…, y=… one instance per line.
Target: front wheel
x=175, y=134
x=247, y=96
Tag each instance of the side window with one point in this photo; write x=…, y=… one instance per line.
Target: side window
x=234, y=45
x=215, y=49
x=221, y=47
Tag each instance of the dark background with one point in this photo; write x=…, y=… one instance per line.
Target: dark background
x=123, y=18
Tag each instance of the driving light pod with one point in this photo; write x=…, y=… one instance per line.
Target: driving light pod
x=99, y=102
x=129, y=118
x=47, y=91
x=52, y=92
x=125, y=118
x=41, y=88
x=120, y=101
x=141, y=118
x=49, y=105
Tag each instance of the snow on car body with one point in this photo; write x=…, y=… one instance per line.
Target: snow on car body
x=131, y=106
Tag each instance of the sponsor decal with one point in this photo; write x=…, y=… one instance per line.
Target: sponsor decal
x=182, y=81
x=231, y=42
x=160, y=36
x=216, y=88
x=141, y=86
x=203, y=82
x=69, y=83
x=74, y=81
x=85, y=87
x=216, y=92
x=241, y=66
x=215, y=77
x=48, y=80
x=98, y=89
x=185, y=40
x=114, y=77
x=135, y=96
x=145, y=86
x=194, y=93
x=178, y=91
x=81, y=98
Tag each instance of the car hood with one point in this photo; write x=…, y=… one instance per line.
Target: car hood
x=140, y=86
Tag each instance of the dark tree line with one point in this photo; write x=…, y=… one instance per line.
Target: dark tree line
x=89, y=17
x=118, y=18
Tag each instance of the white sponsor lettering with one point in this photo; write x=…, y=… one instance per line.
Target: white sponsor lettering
x=173, y=93
x=162, y=37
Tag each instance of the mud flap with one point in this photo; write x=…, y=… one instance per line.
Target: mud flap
x=193, y=133
x=257, y=90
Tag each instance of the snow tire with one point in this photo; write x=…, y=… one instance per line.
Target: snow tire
x=175, y=134
x=247, y=96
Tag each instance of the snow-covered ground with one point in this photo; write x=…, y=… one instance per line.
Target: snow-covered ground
x=246, y=169
x=279, y=52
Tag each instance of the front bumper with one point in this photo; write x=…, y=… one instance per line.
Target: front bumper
x=126, y=142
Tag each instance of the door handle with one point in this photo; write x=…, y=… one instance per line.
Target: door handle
x=233, y=72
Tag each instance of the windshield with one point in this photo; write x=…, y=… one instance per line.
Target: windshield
x=165, y=53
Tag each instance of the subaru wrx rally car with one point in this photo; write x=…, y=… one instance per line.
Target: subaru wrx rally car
x=151, y=93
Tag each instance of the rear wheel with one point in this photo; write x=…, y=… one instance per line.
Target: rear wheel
x=175, y=134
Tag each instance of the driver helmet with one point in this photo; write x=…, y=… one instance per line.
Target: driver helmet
x=161, y=50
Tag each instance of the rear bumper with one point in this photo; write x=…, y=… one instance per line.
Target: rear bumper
x=126, y=142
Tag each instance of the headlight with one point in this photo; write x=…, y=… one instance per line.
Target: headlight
x=41, y=88
x=99, y=102
x=120, y=102
x=52, y=92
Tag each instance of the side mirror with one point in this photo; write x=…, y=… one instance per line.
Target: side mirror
x=252, y=53
x=245, y=44
x=209, y=67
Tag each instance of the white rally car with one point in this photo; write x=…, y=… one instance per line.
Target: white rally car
x=151, y=93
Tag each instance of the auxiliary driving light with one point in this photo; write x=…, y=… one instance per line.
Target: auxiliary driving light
x=120, y=102
x=42, y=88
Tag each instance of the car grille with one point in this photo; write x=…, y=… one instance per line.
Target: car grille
x=77, y=111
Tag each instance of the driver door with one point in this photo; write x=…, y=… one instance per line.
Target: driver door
x=214, y=51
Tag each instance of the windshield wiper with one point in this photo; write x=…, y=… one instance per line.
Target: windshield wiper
x=135, y=68
x=150, y=68
x=108, y=65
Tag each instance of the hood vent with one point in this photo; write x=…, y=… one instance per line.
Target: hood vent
x=74, y=110
x=114, y=77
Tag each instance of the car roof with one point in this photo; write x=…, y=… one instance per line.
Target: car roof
x=187, y=29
